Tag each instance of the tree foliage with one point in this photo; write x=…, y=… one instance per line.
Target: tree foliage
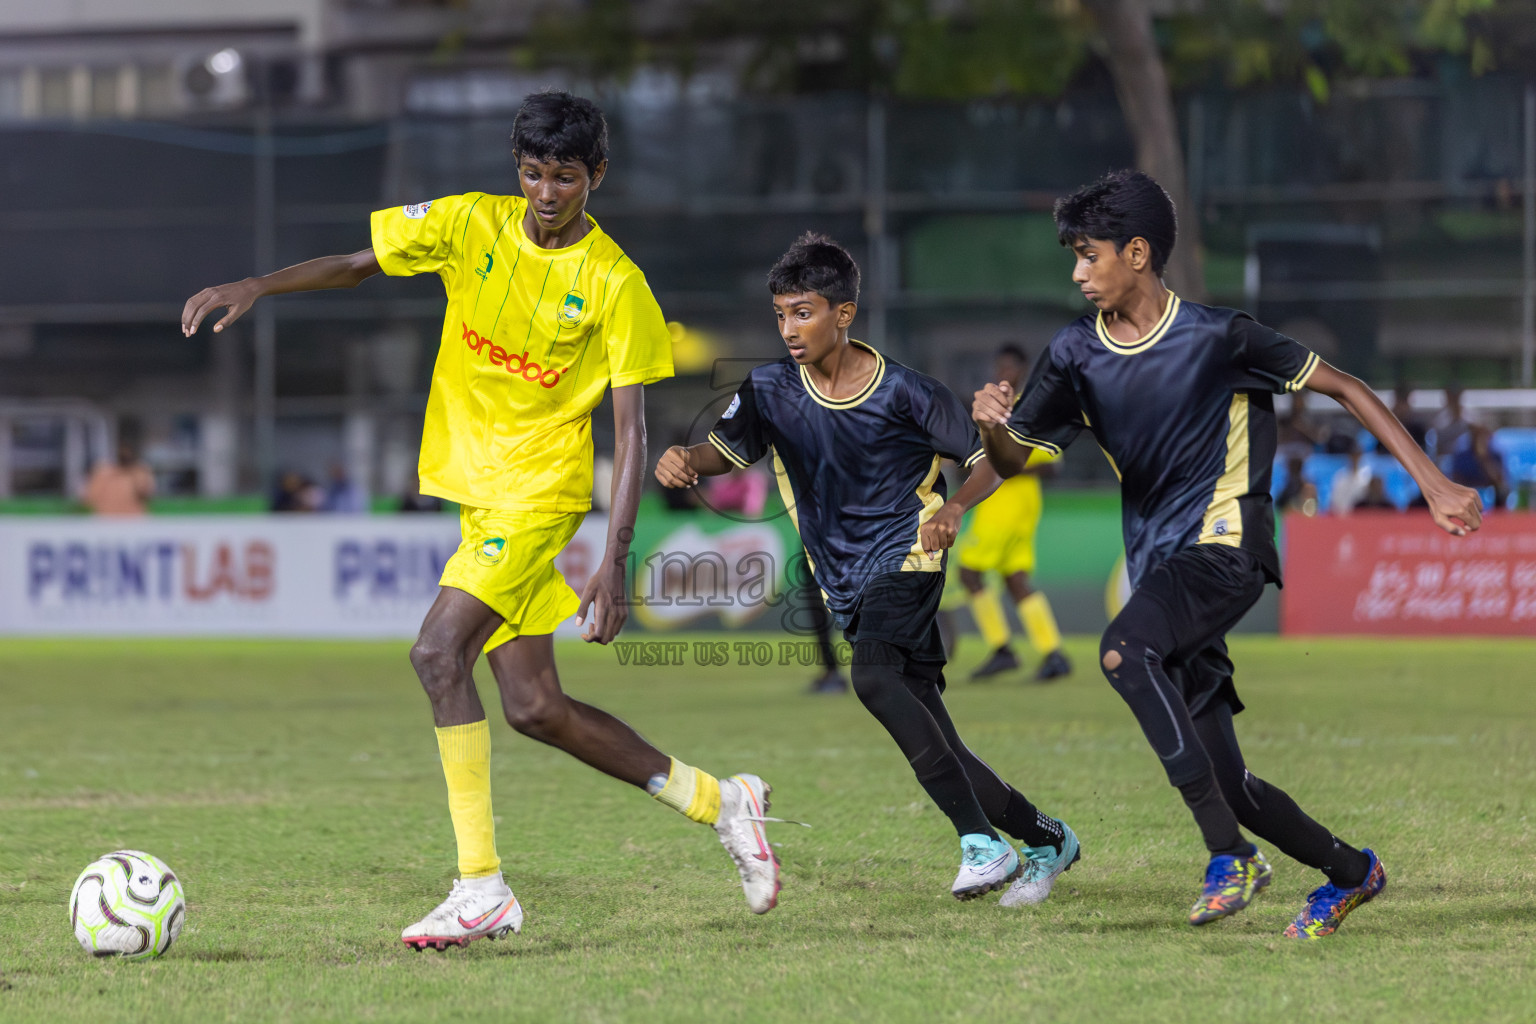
x=962, y=49
x=1317, y=42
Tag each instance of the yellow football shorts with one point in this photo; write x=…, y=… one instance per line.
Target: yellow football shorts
x=507, y=560
x=1001, y=534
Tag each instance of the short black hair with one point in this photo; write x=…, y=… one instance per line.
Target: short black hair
x=1013, y=351
x=1120, y=206
x=817, y=264
x=559, y=126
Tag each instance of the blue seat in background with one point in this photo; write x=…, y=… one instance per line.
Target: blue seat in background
x=1518, y=446
x=1319, y=470
x=1395, y=479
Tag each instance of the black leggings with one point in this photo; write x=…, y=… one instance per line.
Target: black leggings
x=1268, y=811
x=1166, y=657
x=905, y=697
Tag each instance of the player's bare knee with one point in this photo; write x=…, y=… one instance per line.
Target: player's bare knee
x=1112, y=660
x=436, y=664
x=534, y=715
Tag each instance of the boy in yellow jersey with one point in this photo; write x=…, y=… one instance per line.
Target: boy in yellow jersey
x=545, y=313
x=1001, y=539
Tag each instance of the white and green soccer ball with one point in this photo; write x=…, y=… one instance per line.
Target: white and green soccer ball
x=127, y=904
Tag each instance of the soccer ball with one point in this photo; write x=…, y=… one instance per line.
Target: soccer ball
x=127, y=904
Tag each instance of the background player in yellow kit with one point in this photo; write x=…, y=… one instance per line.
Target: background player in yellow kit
x=545, y=314
x=1001, y=539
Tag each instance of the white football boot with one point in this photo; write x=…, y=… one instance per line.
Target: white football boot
x=470, y=912
x=743, y=809
x=1042, y=866
x=985, y=864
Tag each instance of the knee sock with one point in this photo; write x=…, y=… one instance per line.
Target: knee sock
x=1028, y=824
x=1005, y=807
x=1040, y=623
x=466, y=754
x=949, y=788
x=880, y=686
x=690, y=792
x=823, y=624
x=1218, y=825
x=987, y=610
x=1269, y=812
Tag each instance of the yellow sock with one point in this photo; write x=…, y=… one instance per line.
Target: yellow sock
x=466, y=754
x=694, y=793
x=987, y=610
x=1040, y=623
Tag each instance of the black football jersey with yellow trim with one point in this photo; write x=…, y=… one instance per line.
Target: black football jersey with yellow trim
x=859, y=475
x=1185, y=416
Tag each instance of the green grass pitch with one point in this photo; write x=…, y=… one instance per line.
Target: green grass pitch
x=295, y=787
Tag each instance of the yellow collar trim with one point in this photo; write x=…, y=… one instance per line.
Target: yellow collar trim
x=864, y=392
x=1140, y=344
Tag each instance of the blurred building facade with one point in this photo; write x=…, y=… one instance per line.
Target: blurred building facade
x=152, y=147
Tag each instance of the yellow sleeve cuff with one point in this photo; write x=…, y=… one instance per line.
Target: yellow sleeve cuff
x=1033, y=442
x=724, y=449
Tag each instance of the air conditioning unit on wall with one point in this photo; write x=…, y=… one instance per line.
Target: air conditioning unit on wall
x=213, y=81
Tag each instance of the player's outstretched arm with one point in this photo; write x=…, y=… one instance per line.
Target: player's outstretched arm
x=605, y=592
x=1456, y=509
x=680, y=466
x=991, y=407
x=939, y=532
x=239, y=296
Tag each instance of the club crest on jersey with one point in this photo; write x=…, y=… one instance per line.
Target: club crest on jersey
x=490, y=550
x=416, y=211
x=572, y=308
x=484, y=264
x=1219, y=528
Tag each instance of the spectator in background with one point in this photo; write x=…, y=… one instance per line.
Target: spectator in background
x=414, y=501
x=1375, y=496
x=1350, y=483
x=296, y=494
x=1478, y=464
x=1402, y=408
x=120, y=488
x=1451, y=426
x=342, y=494
x=1299, y=494
x=1299, y=436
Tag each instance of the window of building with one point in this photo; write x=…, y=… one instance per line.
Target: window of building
x=157, y=90
x=54, y=92
x=104, y=92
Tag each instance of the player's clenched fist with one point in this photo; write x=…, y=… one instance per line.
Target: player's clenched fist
x=1456, y=509
x=673, y=469
x=993, y=404
x=939, y=532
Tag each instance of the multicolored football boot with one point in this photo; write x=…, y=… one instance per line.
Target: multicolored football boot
x=1231, y=883
x=1328, y=905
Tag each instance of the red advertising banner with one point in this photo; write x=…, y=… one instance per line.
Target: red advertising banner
x=1397, y=573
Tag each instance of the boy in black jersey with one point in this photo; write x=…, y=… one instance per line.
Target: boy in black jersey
x=1179, y=397
x=856, y=441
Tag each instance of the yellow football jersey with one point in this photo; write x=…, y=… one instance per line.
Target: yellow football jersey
x=531, y=340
